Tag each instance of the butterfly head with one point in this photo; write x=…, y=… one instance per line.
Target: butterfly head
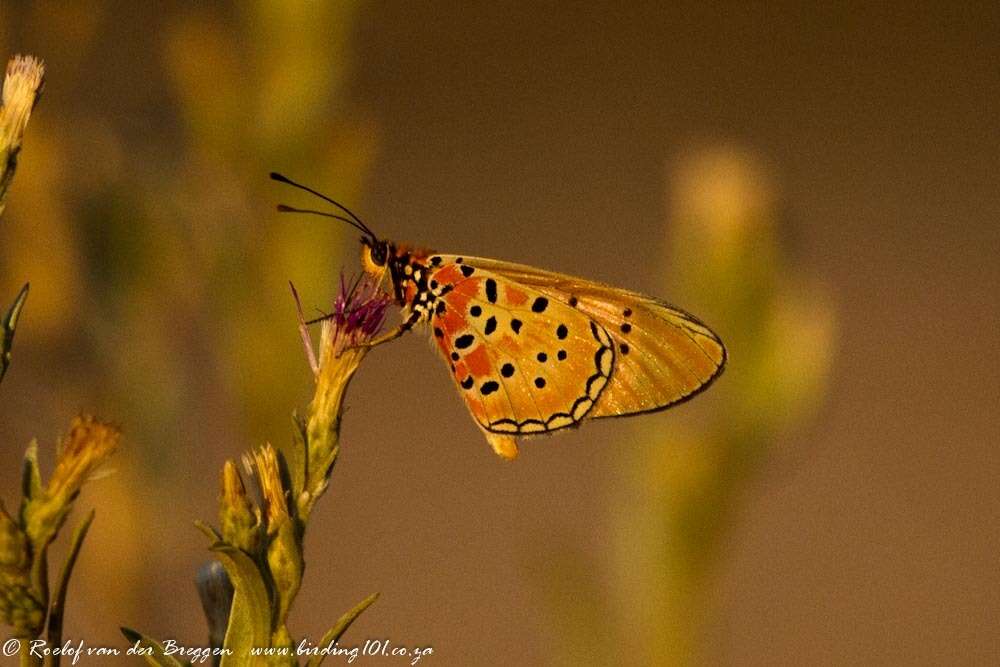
x=376, y=255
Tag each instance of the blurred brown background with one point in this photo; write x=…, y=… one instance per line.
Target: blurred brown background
x=820, y=184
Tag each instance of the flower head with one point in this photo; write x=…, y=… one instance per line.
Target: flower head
x=358, y=315
x=358, y=311
x=80, y=454
x=21, y=87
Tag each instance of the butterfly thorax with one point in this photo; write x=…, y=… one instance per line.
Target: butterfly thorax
x=412, y=285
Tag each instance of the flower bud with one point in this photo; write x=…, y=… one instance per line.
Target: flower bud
x=216, y=593
x=239, y=519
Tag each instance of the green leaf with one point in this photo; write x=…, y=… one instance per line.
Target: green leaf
x=8, y=325
x=333, y=634
x=58, y=606
x=210, y=532
x=157, y=658
x=250, y=616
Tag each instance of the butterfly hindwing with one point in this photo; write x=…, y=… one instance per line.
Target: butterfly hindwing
x=524, y=362
x=665, y=356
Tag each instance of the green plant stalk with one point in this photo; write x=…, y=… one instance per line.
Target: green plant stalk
x=323, y=427
x=58, y=607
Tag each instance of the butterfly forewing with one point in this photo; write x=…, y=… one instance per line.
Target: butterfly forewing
x=523, y=361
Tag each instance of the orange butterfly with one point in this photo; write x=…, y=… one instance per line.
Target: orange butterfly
x=532, y=351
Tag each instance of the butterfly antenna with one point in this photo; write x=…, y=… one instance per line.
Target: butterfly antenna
x=360, y=224
x=284, y=208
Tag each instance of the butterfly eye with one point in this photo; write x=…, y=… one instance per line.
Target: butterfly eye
x=379, y=253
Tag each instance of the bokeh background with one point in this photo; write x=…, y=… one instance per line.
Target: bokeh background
x=819, y=184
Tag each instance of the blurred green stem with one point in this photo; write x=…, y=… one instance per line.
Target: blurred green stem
x=58, y=607
x=9, y=325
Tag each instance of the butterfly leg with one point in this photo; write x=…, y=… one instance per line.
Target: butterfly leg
x=504, y=445
x=398, y=331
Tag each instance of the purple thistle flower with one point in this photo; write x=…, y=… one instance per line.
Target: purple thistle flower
x=359, y=312
x=359, y=309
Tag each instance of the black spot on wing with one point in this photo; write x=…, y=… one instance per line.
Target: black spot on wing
x=515, y=325
x=507, y=370
x=562, y=332
x=491, y=290
x=464, y=341
x=491, y=325
x=489, y=387
x=467, y=270
x=539, y=305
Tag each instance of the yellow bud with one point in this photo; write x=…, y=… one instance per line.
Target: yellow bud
x=239, y=519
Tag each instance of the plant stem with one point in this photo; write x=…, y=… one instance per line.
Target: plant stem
x=27, y=659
